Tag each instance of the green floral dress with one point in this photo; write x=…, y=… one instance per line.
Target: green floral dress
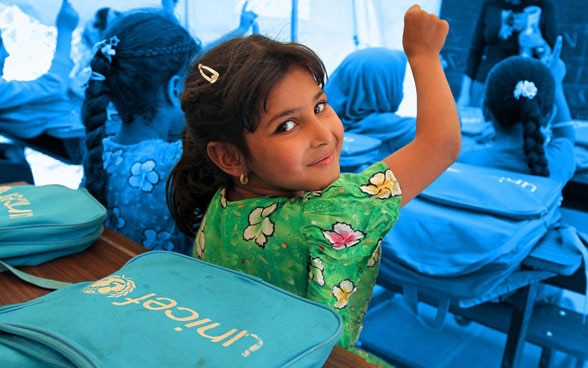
x=324, y=246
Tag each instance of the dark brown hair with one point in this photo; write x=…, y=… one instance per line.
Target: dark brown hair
x=152, y=47
x=532, y=113
x=248, y=68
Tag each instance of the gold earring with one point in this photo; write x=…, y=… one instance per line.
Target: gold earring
x=244, y=179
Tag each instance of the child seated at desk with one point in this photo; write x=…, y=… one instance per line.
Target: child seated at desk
x=139, y=68
x=260, y=180
x=533, y=131
x=524, y=100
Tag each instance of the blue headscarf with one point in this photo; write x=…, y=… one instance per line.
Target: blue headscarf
x=366, y=90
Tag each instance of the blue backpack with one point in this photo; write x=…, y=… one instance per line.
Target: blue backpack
x=358, y=152
x=462, y=239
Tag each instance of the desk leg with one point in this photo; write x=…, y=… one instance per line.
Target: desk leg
x=519, y=323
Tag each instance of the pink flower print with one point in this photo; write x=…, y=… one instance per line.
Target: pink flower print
x=343, y=292
x=343, y=236
x=382, y=185
x=260, y=226
x=143, y=176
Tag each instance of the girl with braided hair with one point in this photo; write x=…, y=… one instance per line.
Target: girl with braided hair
x=140, y=69
x=525, y=102
x=533, y=132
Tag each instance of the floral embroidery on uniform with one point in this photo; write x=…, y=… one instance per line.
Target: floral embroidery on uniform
x=143, y=176
x=343, y=292
x=112, y=158
x=115, y=218
x=157, y=240
x=316, y=271
x=343, y=236
x=382, y=185
x=260, y=226
x=375, y=258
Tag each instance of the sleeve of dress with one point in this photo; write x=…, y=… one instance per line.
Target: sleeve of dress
x=345, y=226
x=48, y=87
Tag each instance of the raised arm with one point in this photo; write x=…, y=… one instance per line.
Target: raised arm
x=66, y=22
x=561, y=126
x=438, y=138
x=246, y=21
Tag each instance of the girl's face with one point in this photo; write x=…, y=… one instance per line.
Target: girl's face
x=297, y=144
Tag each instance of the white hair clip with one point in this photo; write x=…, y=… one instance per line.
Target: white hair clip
x=107, y=47
x=211, y=77
x=526, y=89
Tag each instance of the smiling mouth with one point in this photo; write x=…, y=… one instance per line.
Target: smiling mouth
x=323, y=160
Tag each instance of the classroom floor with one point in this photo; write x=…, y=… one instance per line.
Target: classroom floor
x=389, y=326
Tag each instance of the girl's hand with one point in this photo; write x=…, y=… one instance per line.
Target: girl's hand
x=554, y=62
x=67, y=18
x=424, y=33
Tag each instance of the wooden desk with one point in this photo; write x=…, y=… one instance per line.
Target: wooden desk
x=110, y=252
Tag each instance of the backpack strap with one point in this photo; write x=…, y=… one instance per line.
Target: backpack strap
x=32, y=279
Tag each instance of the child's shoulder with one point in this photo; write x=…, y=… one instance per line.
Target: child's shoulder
x=375, y=182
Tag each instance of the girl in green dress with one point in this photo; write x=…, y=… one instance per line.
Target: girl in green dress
x=259, y=184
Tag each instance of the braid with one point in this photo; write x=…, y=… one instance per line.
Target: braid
x=94, y=116
x=511, y=107
x=533, y=143
x=158, y=51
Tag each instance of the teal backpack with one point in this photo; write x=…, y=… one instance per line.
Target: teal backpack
x=164, y=309
x=41, y=222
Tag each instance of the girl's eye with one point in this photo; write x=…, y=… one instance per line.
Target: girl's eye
x=286, y=126
x=320, y=107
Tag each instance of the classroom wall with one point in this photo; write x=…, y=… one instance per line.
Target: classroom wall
x=573, y=26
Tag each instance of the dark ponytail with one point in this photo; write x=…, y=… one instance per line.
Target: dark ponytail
x=94, y=116
x=521, y=90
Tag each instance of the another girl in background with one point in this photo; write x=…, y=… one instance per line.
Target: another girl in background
x=525, y=101
x=366, y=90
x=534, y=134
x=140, y=67
x=259, y=178
x=496, y=36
